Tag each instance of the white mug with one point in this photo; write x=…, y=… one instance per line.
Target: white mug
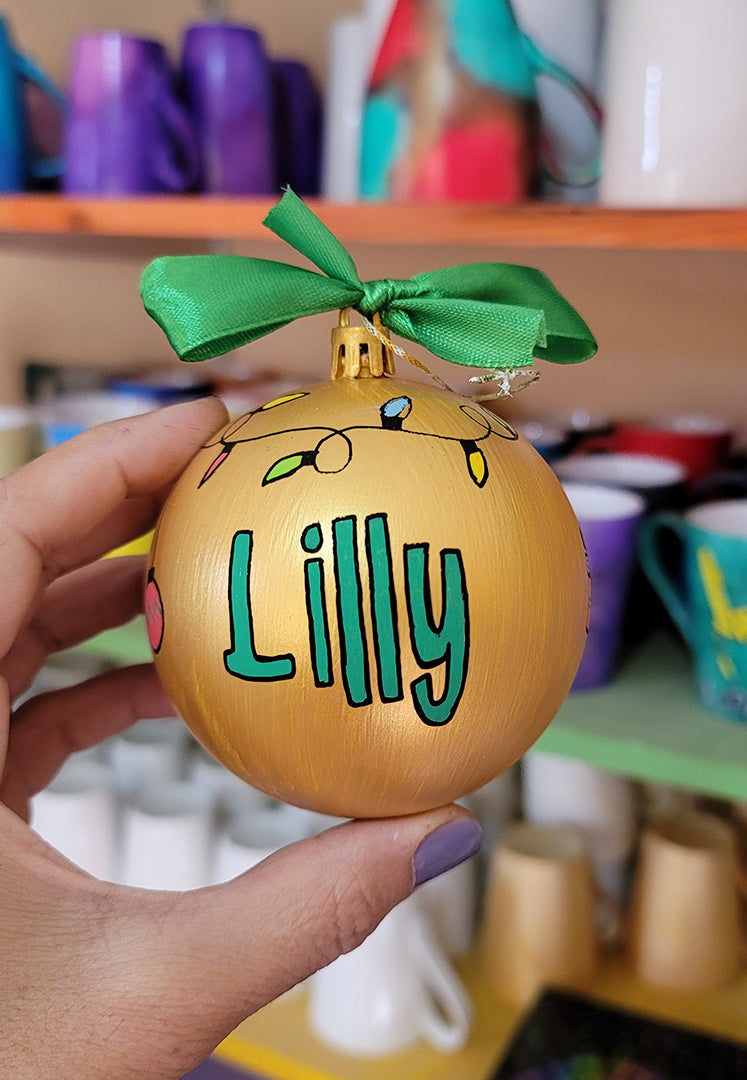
x=77, y=813
x=676, y=104
x=148, y=752
x=569, y=32
x=343, y=107
x=167, y=836
x=394, y=989
x=250, y=837
x=450, y=901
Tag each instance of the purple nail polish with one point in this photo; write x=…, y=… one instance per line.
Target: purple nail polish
x=445, y=848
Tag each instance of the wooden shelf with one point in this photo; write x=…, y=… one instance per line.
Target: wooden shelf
x=536, y=225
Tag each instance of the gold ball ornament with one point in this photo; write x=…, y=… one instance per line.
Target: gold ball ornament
x=368, y=597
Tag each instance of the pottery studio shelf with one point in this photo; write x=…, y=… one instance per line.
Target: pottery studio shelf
x=196, y=217
x=279, y=1043
x=647, y=724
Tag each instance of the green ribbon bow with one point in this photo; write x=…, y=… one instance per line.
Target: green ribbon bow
x=487, y=315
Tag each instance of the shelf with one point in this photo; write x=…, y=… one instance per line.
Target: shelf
x=648, y=724
x=536, y=225
x=278, y=1042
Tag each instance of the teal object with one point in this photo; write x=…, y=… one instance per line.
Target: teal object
x=17, y=164
x=486, y=42
x=708, y=602
x=386, y=124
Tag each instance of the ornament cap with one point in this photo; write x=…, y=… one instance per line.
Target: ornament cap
x=357, y=353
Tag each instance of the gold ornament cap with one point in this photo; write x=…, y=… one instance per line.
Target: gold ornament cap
x=357, y=353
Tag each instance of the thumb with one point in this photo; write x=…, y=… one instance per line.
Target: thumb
x=198, y=963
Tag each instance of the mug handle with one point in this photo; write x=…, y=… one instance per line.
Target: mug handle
x=541, y=64
x=44, y=167
x=649, y=556
x=447, y=1022
x=176, y=175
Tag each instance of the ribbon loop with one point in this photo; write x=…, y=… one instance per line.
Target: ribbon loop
x=487, y=315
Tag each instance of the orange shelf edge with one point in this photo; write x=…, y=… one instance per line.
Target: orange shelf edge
x=194, y=217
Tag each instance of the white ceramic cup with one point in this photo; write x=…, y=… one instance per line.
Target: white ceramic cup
x=676, y=103
x=77, y=813
x=568, y=31
x=167, y=837
x=149, y=752
x=450, y=901
x=343, y=108
x=249, y=838
x=395, y=989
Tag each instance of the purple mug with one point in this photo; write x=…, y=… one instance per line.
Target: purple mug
x=609, y=518
x=298, y=127
x=127, y=132
x=228, y=86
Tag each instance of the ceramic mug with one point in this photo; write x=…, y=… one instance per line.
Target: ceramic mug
x=609, y=519
x=394, y=989
x=451, y=111
x=127, y=131
x=676, y=100
x=659, y=481
x=18, y=164
x=540, y=926
x=78, y=814
x=227, y=82
x=148, y=752
x=700, y=442
x=709, y=603
x=684, y=917
x=167, y=836
x=297, y=126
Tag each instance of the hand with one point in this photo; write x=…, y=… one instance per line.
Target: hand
x=102, y=981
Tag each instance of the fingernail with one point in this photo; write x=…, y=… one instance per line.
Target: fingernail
x=445, y=848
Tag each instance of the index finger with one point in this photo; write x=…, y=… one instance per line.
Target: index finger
x=55, y=501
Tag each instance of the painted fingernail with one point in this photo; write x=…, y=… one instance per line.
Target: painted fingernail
x=445, y=848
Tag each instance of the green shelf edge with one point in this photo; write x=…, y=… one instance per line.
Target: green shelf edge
x=647, y=724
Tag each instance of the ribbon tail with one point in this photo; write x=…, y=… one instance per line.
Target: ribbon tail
x=210, y=304
x=294, y=222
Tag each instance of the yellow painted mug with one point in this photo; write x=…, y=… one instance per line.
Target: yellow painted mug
x=709, y=606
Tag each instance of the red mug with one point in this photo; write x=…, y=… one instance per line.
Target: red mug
x=701, y=443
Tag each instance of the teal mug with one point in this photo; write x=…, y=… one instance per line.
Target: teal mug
x=18, y=163
x=708, y=599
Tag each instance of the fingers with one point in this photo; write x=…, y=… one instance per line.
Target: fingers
x=195, y=964
x=55, y=504
x=107, y=593
x=48, y=728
